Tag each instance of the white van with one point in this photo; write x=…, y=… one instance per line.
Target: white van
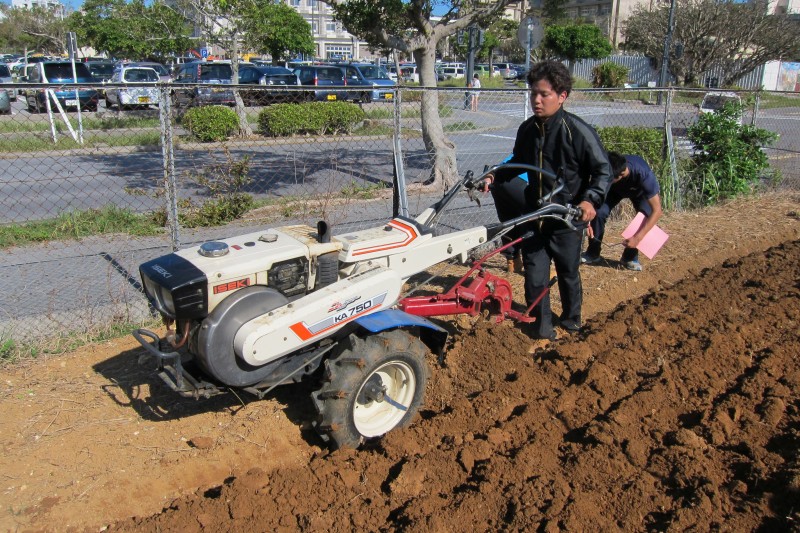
x=409, y=73
x=448, y=73
x=716, y=100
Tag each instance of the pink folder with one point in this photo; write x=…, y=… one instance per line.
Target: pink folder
x=652, y=241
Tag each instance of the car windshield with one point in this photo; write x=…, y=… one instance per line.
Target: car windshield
x=374, y=73
x=215, y=72
x=140, y=75
x=715, y=102
x=102, y=69
x=63, y=72
x=161, y=69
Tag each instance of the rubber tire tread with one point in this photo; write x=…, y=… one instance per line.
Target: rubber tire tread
x=344, y=376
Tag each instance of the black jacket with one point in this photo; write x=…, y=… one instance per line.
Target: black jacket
x=565, y=142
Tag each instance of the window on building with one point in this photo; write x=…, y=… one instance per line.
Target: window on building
x=314, y=27
x=330, y=27
x=311, y=3
x=603, y=9
x=294, y=3
x=587, y=11
x=572, y=12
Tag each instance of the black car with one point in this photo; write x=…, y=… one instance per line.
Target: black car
x=274, y=84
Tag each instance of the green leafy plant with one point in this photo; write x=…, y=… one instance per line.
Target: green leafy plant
x=644, y=142
x=728, y=159
x=609, y=75
x=211, y=123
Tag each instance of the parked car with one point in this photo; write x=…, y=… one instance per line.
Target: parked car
x=5, y=103
x=486, y=71
x=716, y=100
x=126, y=97
x=507, y=70
x=409, y=73
x=450, y=72
x=5, y=77
x=374, y=79
x=101, y=70
x=268, y=77
x=60, y=72
x=164, y=75
x=195, y=75
x=328, y=78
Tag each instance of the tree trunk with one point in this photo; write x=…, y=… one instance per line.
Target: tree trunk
x=444, y=172
x=244, y=125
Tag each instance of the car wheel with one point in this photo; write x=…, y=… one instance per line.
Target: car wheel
x=366, y=98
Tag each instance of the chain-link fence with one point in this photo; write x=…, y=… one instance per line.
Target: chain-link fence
x=85, y=198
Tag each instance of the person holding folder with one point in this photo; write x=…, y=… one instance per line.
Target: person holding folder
x=632, y=179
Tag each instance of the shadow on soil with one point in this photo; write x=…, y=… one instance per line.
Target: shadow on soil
x=134, y=382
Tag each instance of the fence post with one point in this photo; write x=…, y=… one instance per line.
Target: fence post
x=399, y=175
x=167, y=151
x=756, y=104
x=669, y=146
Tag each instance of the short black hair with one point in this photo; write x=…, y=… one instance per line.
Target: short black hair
x=618, y=163
x=554, y=72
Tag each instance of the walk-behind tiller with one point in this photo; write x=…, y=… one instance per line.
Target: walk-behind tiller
x=280, y=305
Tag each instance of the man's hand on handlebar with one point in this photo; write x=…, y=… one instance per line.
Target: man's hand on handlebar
x=587, y=211
x=485, y=182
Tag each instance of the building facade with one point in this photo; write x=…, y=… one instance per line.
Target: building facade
x=331, y=39
x=53, y=5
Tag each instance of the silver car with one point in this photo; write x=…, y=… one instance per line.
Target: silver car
x=5, y=103
x=129, y=97
x=5, y=77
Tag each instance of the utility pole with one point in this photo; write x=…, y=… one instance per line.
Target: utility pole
x=662, y=81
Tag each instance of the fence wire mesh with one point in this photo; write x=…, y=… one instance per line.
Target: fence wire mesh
x=100, y=183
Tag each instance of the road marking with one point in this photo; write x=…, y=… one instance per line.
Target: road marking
x=497, y=136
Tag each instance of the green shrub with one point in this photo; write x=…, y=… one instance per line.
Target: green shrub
x=211, y=123
x=728, y=160
x=609, y=75
x=641, y=141
x=317, y=118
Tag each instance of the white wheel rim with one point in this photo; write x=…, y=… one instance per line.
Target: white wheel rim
x=372, y=417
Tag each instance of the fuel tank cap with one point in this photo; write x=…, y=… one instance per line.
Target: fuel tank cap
x=213, y=249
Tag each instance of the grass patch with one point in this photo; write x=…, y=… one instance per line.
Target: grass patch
x=13, y=352
x=66, y=142
x=78, y=224
x=375, y=130
x=140, y=138
x=89, y=123
x=461, y=126
x=771, y=101
x=358, y=191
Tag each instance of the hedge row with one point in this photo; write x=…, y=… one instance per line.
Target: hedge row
x=316, y=118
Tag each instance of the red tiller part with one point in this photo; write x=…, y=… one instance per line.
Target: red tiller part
x=469, y=295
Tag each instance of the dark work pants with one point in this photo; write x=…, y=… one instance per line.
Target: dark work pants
x=563, y=247
x=599, y=225
x=552, y=240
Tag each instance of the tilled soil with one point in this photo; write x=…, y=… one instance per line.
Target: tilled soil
x=676, y=411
